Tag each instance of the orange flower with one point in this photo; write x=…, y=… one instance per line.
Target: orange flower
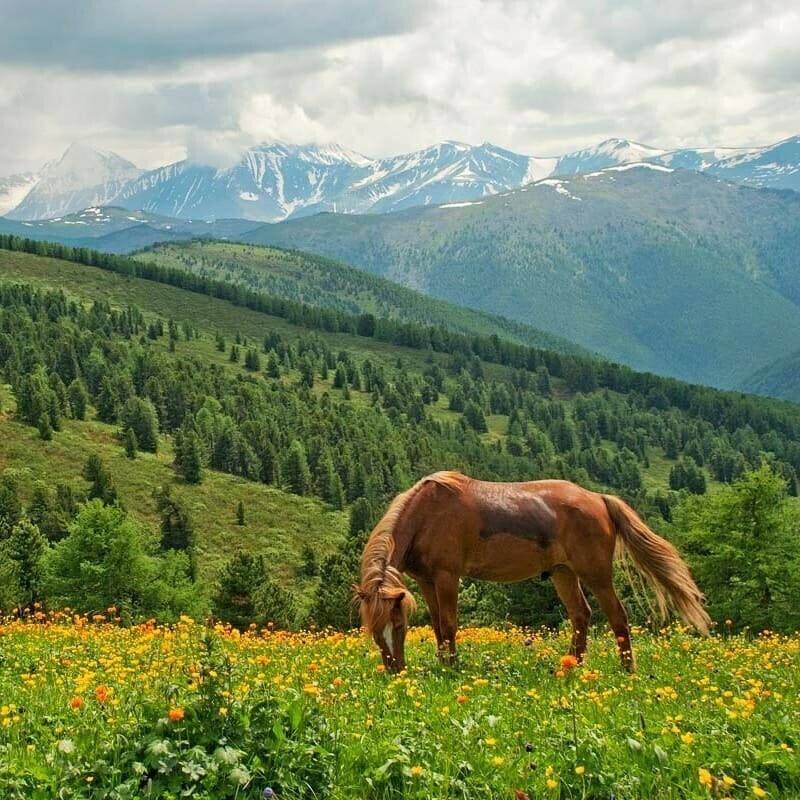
x=569, y=662
x=76, y=702
x=102, y=693
x=176, y=714
x=462, y=699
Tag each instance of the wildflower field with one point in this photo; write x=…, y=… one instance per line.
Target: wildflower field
x=91, y=709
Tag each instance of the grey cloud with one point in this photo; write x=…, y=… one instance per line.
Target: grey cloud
x=702, y=72
x=120, y=35
x=551, y=94
x=199, y=105
x=777, y=71
x=629, y=27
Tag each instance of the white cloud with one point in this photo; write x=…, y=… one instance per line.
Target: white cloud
x=540, y=78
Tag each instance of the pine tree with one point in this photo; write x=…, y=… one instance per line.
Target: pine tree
x=129, y=443
x=177, y=532
x=189, y=456
x=240, y=513
x=10, y=505
x=78, y=398
x=233, y=599
x=26, y=545
x=296, y=471
x=252, y=361
x=102, y=484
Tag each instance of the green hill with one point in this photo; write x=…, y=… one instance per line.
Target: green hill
x=319, y=281
x=674, y=272
x=781, y=378
x=303, y=420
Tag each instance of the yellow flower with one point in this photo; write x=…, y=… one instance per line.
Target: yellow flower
x=551, y=784
x=759, y=792
x=687, y=738
x=490, y=742
x=705, y=777
x=498, y=761
x=580, y=770
x=417, y=771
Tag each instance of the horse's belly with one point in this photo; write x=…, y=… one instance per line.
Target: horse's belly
x=507, y=560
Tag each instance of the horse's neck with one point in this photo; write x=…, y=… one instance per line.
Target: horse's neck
x=403, y=535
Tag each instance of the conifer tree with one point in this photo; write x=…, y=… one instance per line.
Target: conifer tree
x=189, y=456
x=296, y=471
x=102, y=484
x=78, y=398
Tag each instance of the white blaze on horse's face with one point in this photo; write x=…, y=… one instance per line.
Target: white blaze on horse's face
x=389, y=638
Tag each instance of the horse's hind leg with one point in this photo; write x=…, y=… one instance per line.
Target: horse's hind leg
x=569, y=590
x=617, y=618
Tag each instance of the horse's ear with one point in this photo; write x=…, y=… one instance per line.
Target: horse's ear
x=406, y=602
x=359, y=592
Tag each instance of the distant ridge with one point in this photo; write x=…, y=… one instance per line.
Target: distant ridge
x=277, y=181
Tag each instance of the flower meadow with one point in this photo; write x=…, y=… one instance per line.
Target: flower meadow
x=91, y=709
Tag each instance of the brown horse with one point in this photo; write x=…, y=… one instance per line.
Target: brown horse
x=448, y=526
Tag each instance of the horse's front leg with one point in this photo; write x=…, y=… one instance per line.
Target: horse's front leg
x=428, y=590
x=447, y=602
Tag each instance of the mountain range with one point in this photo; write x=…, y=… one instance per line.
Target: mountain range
x=278, y=181
x=667, y=270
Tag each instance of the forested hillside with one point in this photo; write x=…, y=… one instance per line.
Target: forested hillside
x=639, y=263
x=264, y=402
x=323, y=282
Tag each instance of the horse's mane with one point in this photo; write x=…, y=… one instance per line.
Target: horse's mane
x=379, y=580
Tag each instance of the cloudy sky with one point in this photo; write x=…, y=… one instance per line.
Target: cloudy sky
x=156, y=80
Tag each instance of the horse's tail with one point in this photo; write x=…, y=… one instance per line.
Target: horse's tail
x=659, y=562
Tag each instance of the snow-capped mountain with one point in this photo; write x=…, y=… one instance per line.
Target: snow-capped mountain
x=14, y=188
x=271, y=182
x=449, y=172
x=609, y=153
x=277, y=181
x=776, y=166
x=82, y=177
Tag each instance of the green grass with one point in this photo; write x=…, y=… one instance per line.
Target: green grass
x=278, y=524
x=95, y=711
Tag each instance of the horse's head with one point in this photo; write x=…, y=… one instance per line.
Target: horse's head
x=384, y=613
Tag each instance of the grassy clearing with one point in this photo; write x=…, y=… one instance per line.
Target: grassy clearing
x=278, y=524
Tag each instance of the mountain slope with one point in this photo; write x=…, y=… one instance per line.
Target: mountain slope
x=781, y=379
x=82, y=177
x=776, y=166
x=674, y=272
x=13, y=190
x=322, y=282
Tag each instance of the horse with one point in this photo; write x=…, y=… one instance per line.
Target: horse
x=448, y=526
